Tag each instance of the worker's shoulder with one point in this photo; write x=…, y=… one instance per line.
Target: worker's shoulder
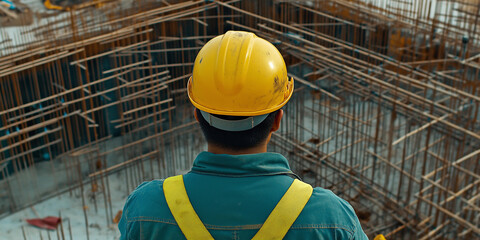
x=147, y=200
x=148, y=188
x=325, y=209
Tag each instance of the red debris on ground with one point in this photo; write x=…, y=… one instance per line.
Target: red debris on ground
x=49, y=222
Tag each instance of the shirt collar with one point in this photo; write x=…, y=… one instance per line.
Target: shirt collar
x=259, y=164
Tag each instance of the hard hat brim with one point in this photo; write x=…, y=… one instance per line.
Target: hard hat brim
x=240, y=113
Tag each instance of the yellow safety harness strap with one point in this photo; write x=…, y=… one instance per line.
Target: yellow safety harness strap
x=182, y=210
x=286, y=212
x=275, y=227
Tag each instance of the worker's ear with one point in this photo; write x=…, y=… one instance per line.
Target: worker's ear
x=278, y=119
x=195, y=114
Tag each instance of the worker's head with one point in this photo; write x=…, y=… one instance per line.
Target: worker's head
x=239, y=83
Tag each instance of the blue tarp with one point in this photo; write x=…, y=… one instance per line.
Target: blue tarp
x=8, y=4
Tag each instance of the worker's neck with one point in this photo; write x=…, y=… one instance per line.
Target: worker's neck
x=219, y=150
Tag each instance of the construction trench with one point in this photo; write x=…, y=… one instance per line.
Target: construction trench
x=385, y=111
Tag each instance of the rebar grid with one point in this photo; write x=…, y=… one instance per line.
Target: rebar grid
x=385, y=111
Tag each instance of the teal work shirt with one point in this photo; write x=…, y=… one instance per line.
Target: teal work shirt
x=233, y=196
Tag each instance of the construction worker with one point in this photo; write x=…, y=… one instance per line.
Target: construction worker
x=236, y=190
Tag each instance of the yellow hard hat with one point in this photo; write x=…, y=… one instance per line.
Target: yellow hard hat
x=379, y=237
x=239, y=74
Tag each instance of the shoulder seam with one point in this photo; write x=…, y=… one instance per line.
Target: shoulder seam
x=243, y=227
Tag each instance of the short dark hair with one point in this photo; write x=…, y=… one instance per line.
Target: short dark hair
x=240, y=140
